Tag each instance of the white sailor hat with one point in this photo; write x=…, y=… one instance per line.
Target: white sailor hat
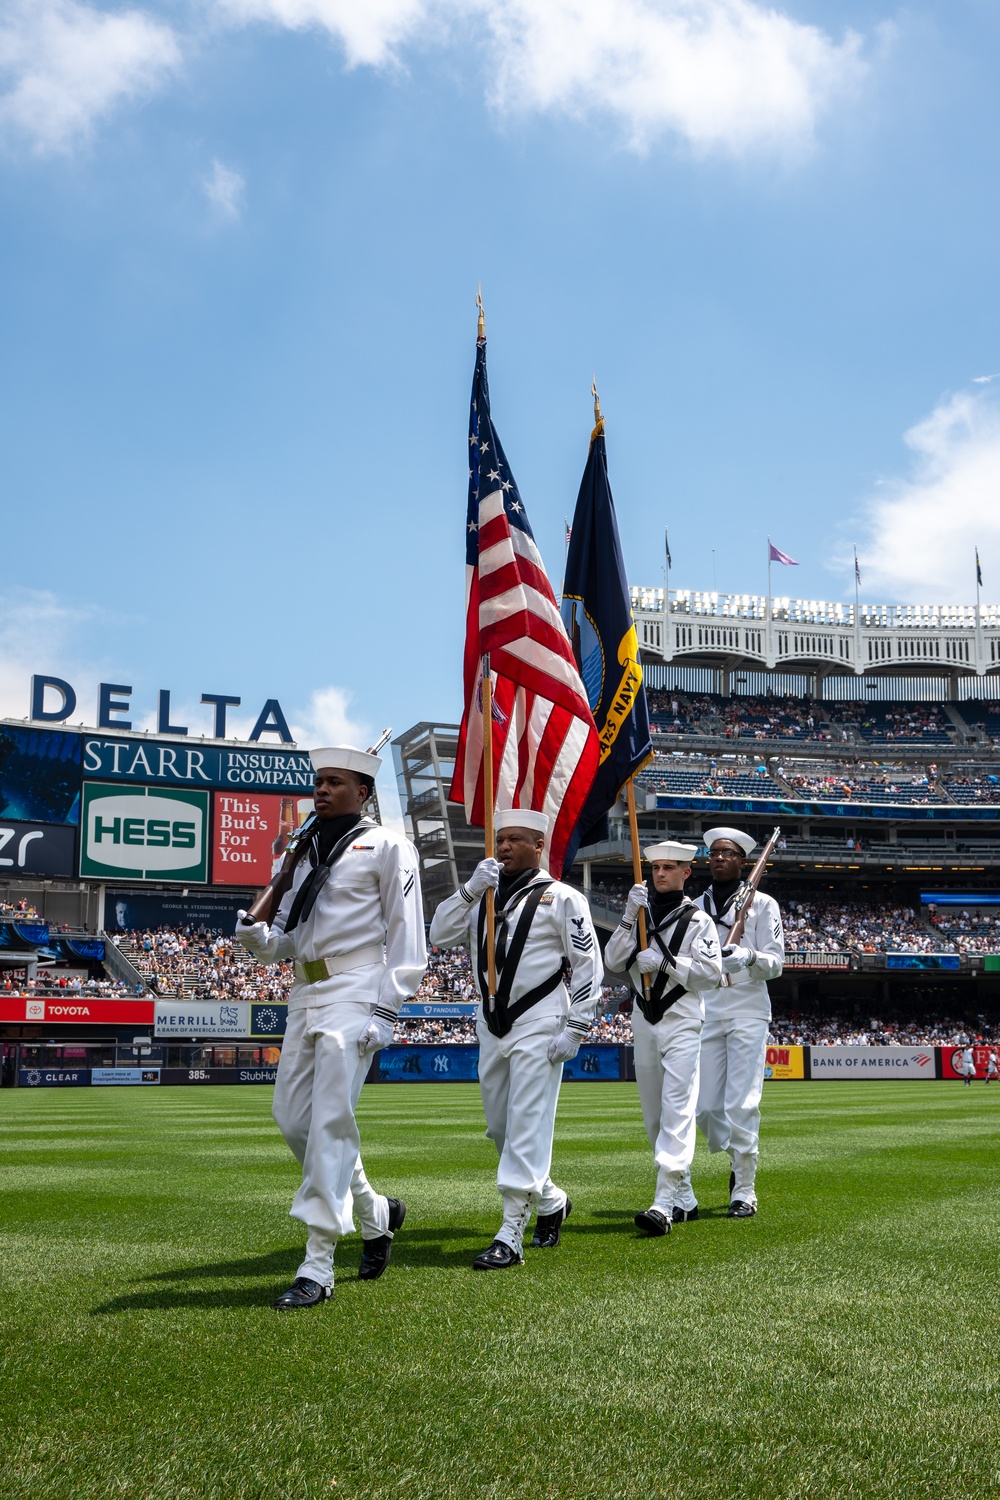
x=671, y=849
x=346, y=758
x=521, y=817
x=734, y=835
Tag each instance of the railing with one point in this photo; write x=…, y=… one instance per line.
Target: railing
x=116, y=963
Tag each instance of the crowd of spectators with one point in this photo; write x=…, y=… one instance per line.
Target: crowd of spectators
x=53, y=983
x=20, y=909
x=966, y=931
x=874, y=1031
x=200, y=964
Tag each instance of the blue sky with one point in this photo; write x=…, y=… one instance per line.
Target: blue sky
x=237, y=277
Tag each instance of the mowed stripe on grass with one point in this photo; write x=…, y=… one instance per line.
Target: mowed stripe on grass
x=842, y=1343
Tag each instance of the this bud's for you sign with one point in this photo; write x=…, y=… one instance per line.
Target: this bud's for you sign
x=250, y=833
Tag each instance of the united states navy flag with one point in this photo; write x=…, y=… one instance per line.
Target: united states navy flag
x=597, y=613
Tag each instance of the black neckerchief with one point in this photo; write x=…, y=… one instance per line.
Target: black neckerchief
x=511, y=884
x=662, y=903
x=335, y=844
x=723, y=892
x=330, y=830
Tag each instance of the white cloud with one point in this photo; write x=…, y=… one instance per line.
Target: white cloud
x=731, y=75
x=328, y=719
x=64, y=66
x=722, y=74
x=224, y=188
x=36, y=635
x=369, y=30
x=923, y=529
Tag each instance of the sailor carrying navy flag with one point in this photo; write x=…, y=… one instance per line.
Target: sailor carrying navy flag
x=597, y=613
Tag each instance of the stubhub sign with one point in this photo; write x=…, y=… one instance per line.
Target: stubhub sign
x=146, y=833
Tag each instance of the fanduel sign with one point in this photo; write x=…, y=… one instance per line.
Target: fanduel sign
x=53, y=701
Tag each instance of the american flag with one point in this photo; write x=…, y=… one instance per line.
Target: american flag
x=545, y=744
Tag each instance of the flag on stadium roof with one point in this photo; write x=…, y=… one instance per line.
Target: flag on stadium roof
x=597, y=613
x=773, y=555
x=979, y=571
x=545, y=746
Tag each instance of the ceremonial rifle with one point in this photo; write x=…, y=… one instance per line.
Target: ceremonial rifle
x=745, y=895
x=266, y=905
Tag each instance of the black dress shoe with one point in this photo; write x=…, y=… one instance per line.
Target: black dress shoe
x=653, y=1222
x=303, y=1293
x=739, y=1210
x=547, y=1227
x=375, y=1253
x=497, y=1258
x=684, y=1215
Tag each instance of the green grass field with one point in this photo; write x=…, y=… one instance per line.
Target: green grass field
x=843, y=1343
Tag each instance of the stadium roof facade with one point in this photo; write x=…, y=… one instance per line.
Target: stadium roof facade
x=815, y=637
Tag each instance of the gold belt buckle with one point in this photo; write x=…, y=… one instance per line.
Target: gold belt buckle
x=315, y=970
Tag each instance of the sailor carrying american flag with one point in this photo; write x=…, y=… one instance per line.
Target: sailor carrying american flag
x=528, y=746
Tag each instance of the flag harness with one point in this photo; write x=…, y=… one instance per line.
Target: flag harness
x=658, y=1001
x=502, y=1017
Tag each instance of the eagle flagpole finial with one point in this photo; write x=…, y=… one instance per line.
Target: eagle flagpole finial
x=481, y=332
x=598, y=418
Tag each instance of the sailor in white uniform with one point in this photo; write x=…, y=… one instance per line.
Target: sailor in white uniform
x=682, y=960
x=737, y=1016
x=353, y=924
x=536, y=1021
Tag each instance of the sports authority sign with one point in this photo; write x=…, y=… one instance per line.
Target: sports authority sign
x=144, y=833
x=76, y=1010
x=855, y=1063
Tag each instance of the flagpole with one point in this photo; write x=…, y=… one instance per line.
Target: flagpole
x=488, y=830
x=633, y=828
x=979, y=617
x=489, y=834
x=767, y=622
x=857, y=611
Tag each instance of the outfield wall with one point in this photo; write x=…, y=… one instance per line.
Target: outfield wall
x=601, y=1063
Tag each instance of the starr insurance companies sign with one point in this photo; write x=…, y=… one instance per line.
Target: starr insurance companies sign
x=144, y=833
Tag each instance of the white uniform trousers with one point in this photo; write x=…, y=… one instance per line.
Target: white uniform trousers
x=520, y=1090
x=666, y=1070
x=319, y=1080
x=733, y=1050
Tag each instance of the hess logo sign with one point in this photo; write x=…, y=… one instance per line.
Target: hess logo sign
x=149, y=832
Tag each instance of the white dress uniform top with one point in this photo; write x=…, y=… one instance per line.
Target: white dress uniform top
x=359, y=953
x=667, y=1038
x=734, y=1039
x=520, y=1087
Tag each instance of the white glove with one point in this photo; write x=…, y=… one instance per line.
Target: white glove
x=564, y=1045
x=638, y=897
x=255, y=938
x=485, y=877
x=377, y=1033
x=734, y=959
x=649, y=960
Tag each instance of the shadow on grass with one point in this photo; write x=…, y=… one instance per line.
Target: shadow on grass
x=440, y=1248
x=420, y=1248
